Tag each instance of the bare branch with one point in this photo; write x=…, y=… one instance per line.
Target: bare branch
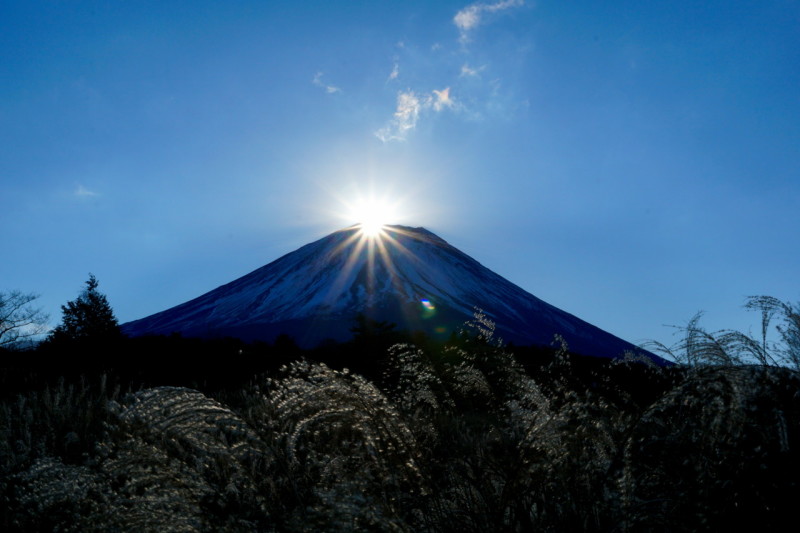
x=20, y=321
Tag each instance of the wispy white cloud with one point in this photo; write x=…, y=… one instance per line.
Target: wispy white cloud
x=395, y=72
x=471, y=16
x=410, y=107
x=474, y=97
x=83, y=192
x=404, y=119
x=441, y=99
x=330, y=89
x=467, y=71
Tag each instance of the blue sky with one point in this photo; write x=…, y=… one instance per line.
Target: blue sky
x=631, y=163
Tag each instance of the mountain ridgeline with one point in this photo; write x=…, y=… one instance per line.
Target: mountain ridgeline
x=407, y=276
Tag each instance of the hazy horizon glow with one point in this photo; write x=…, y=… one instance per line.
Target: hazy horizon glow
x=630, y=164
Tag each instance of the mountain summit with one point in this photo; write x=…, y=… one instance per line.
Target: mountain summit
x=404, y=275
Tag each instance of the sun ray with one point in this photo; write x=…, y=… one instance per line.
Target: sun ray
x=427, y=308
x=374, y=259
x=357, y=243
x=371, y=246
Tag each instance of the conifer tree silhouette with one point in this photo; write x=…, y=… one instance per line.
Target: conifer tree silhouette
x=87, y=318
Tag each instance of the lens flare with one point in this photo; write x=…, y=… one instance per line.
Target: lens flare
x=428, y=309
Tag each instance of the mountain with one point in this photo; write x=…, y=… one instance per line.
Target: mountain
x=408, y=276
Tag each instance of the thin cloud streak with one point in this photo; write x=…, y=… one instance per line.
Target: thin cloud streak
x=83, y=192
x=330, y=89
x=395, y=72
x=467, y=71
x=471, y=16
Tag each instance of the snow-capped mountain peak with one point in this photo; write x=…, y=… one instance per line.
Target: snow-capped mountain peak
x=405, y=275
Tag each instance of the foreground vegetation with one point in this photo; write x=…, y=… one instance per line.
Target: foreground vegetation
x=426, y=437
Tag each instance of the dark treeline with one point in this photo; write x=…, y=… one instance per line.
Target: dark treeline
x=392, y=433
x=217, y=364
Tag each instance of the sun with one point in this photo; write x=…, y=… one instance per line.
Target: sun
x=373, y=210
x=373, y=214
x=371, y=220
x=371, y=229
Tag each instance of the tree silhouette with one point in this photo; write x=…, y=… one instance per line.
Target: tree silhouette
x=20, y=321
x=366, y=327
x=87, y=318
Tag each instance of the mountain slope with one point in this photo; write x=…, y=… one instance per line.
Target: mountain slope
x=408, y=276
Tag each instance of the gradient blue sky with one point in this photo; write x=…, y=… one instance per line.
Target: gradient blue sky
x=629, y=162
